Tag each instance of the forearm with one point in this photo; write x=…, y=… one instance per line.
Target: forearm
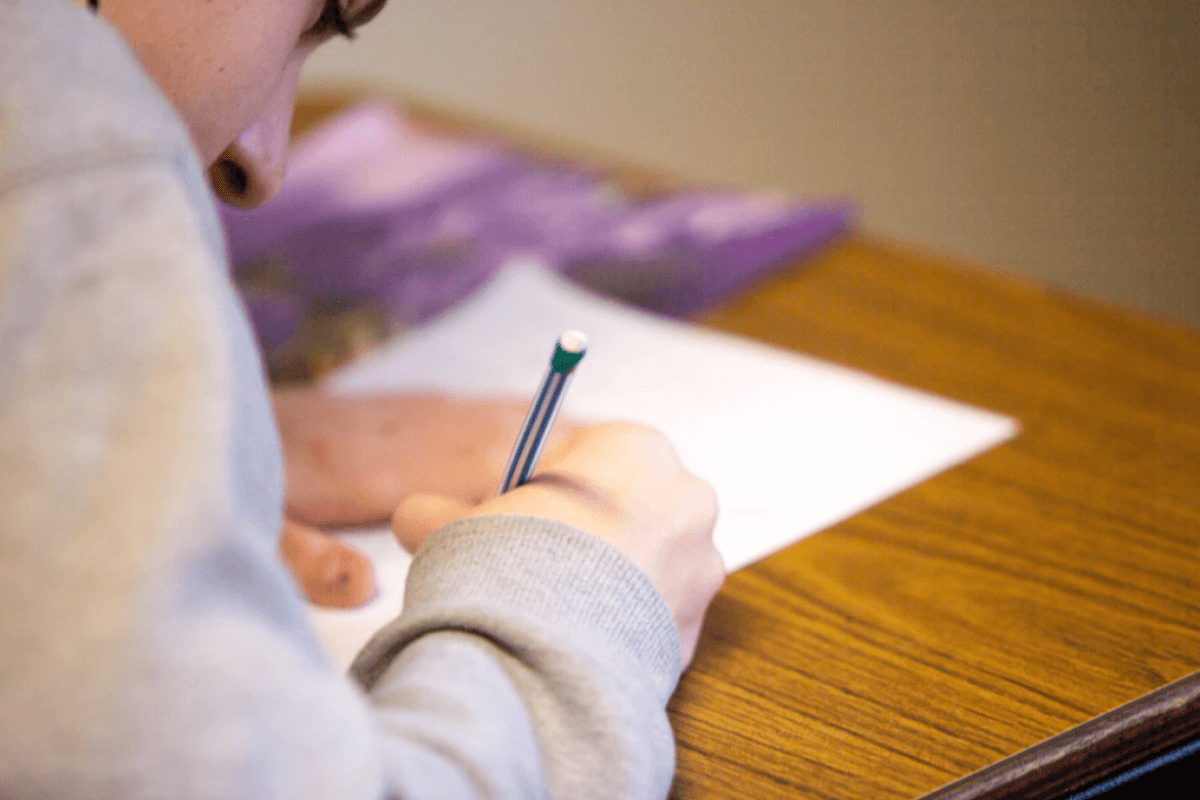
x=532, y=659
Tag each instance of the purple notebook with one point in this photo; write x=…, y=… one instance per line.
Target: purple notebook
x=390, y=226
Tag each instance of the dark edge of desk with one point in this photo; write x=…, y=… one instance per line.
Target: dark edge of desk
x=1090, y=752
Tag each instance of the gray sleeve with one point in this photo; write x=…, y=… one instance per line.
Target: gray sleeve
x=532, y=659
x=151, y=643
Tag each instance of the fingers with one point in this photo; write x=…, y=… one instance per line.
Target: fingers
x=689, y=615
x=624, y=483
x=419, y=515
x=329, y=572
x=619, y=481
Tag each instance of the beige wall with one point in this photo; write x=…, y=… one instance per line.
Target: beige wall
x=1056, y=138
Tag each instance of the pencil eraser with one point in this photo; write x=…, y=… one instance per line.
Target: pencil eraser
x=573, y=341
x=569, y=350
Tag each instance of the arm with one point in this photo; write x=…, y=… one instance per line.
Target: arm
x=153, y=644
x=564, y=657
x=583, y=654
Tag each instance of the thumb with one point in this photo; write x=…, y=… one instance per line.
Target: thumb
x=419, y=515
x=330, y=573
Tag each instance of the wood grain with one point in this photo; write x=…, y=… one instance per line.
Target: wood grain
x=988, y=609
x=1003, y=602
x=1099, y=748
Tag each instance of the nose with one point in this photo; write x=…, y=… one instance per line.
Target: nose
x=250, y=171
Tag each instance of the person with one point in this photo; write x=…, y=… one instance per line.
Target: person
x=152, y=644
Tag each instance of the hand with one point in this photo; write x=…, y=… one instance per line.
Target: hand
x=329, y=572
x=351, y=460
x=623, y=483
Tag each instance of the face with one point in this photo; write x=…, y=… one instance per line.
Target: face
x=231, y=68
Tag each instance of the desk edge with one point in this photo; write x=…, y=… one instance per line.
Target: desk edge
x=1090, y=752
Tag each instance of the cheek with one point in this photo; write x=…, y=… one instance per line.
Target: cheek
x=218, y=62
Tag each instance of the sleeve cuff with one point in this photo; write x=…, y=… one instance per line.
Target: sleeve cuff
x=538, y=572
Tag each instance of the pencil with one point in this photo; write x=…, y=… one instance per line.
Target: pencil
x=568, y=352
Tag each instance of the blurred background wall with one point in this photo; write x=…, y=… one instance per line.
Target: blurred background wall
x=1056, y=138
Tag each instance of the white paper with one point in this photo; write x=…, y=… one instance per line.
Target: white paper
x=791, y=444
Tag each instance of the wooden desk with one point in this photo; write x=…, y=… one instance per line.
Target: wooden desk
x=1006, y=601
x=1003, y=602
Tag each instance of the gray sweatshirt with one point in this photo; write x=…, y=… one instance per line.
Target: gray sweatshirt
x=151, y=643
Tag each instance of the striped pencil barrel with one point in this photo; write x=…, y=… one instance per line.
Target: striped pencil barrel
x=568, y=352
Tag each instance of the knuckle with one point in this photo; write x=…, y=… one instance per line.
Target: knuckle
x=716, y=571
x=635, y=438
x=704, y=497
x=645, y=438
x=619, y=428
x=694, y=510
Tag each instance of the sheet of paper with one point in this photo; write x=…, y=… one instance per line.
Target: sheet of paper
x=792, y=444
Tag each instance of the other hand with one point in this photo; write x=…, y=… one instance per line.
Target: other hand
x=329, y=572
x=351, y=460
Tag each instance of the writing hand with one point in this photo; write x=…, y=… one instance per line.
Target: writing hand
x=623, y=483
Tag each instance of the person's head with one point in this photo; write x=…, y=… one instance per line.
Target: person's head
x=231, y=67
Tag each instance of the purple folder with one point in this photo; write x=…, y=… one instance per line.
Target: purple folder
x=377, y=216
